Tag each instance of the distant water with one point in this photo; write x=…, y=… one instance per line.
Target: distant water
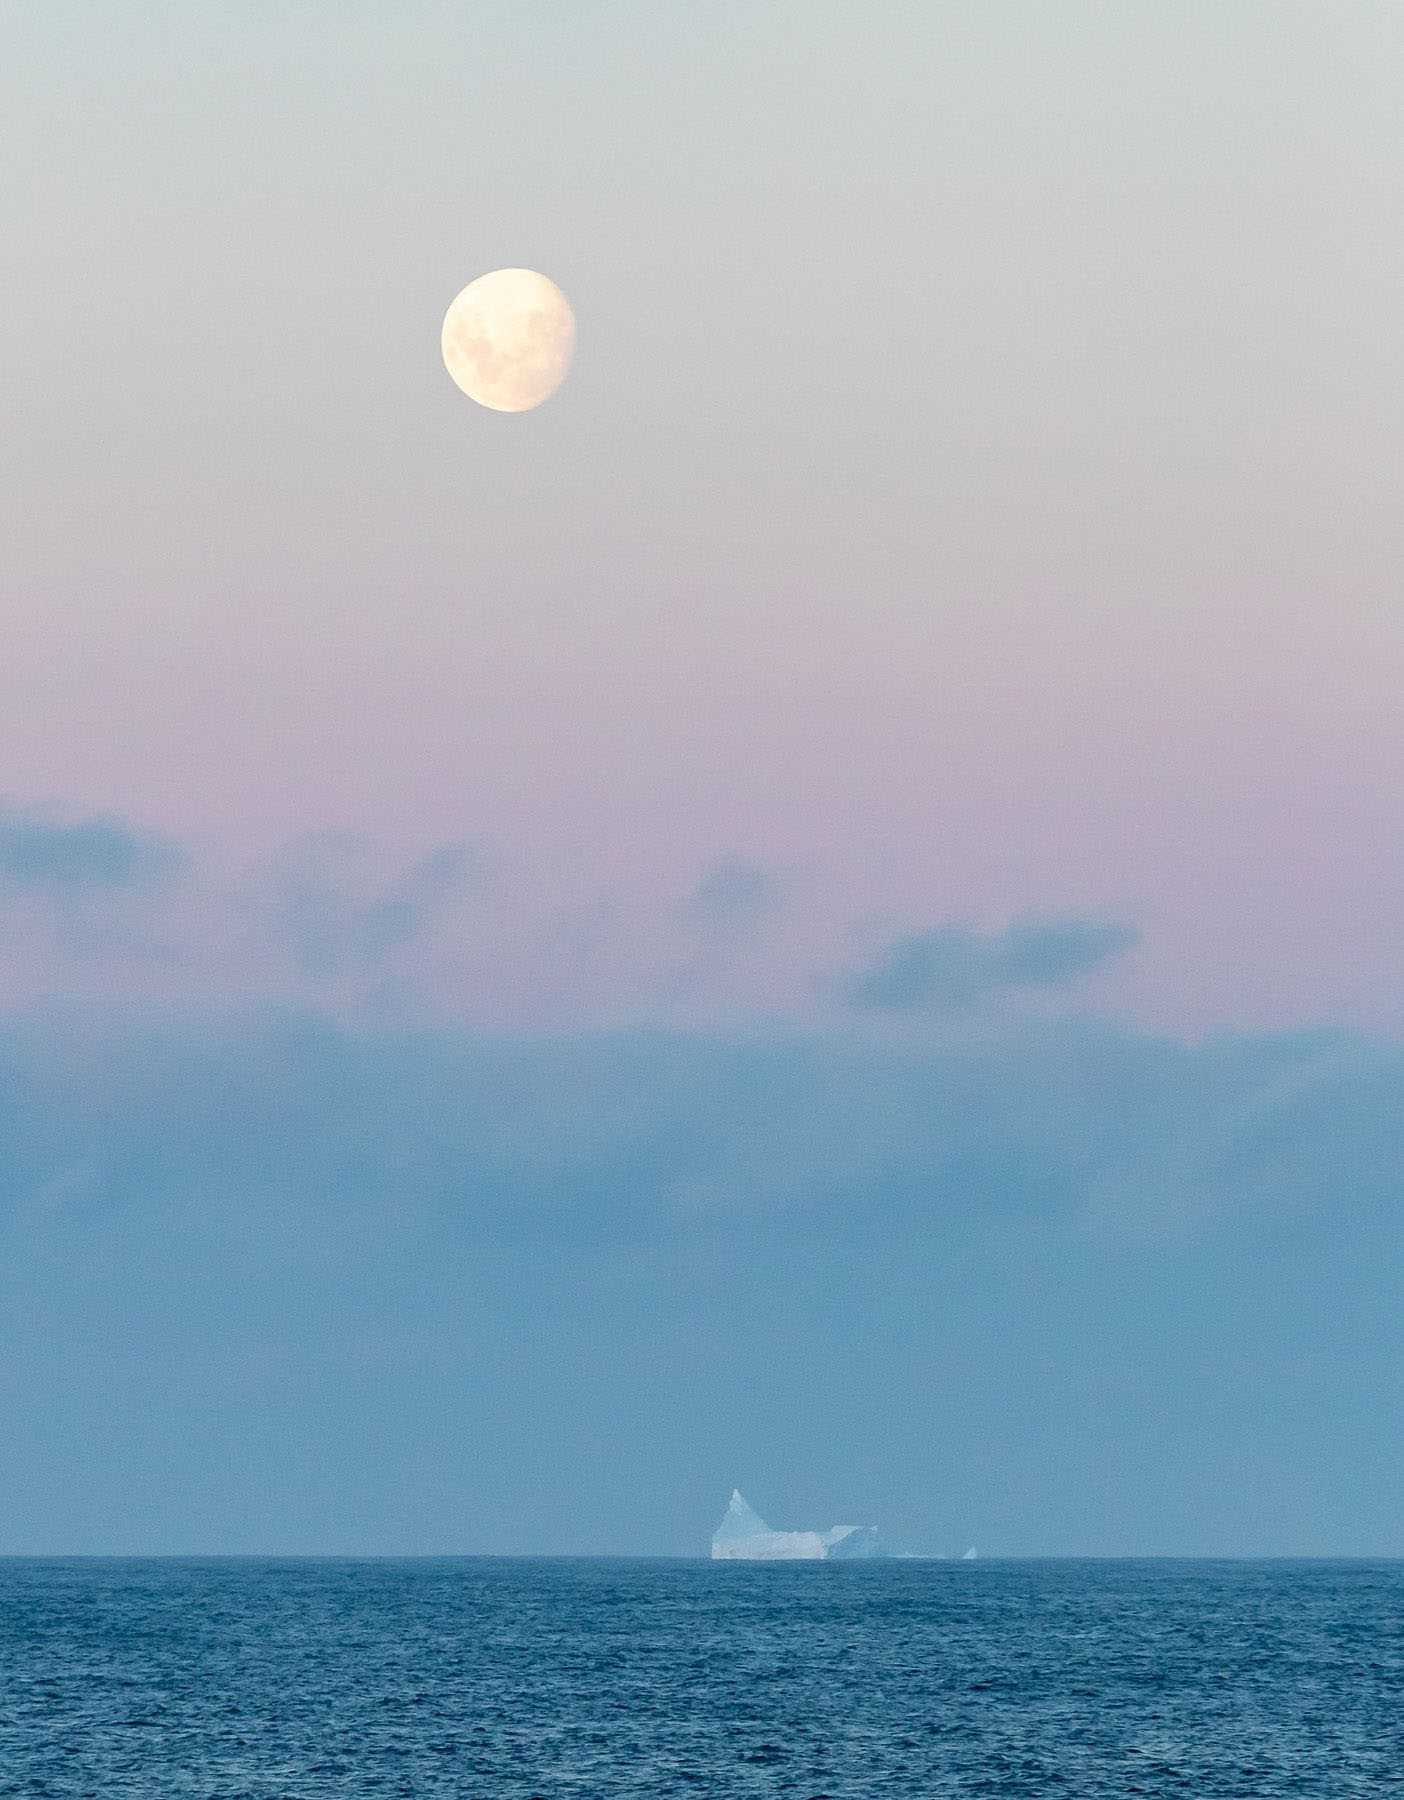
x=506, y=1679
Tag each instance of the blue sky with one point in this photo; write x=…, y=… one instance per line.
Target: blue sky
x=820, y=913
x=1056, y=1287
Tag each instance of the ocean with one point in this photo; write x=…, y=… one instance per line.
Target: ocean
x=503, y=1678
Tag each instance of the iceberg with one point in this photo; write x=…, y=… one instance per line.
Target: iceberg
x=744, y=1536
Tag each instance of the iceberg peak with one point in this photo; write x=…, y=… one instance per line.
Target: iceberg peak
x=741, y=1520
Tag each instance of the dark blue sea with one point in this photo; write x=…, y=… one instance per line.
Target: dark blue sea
x=506, y=1679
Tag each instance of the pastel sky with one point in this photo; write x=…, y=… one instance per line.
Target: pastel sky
x=947, y=630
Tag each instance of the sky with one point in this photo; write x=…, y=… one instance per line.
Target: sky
x=819, y=913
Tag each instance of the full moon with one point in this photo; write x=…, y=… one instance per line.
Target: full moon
x=508, y=338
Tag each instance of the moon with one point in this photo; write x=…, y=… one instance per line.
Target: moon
x=508, y=339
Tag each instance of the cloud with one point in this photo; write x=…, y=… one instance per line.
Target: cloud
x=731, y=895
x=40, y=856
x=953, y=966
x=337, y=918
x=640, y=1137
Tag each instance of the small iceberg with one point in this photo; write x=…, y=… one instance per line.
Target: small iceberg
x=744, y=1536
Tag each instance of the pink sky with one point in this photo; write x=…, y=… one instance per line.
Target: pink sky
x=988, y=507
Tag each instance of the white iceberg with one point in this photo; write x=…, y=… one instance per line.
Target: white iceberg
x=743, y=1536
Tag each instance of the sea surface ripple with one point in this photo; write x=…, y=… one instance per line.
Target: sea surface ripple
x=286, y=1680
